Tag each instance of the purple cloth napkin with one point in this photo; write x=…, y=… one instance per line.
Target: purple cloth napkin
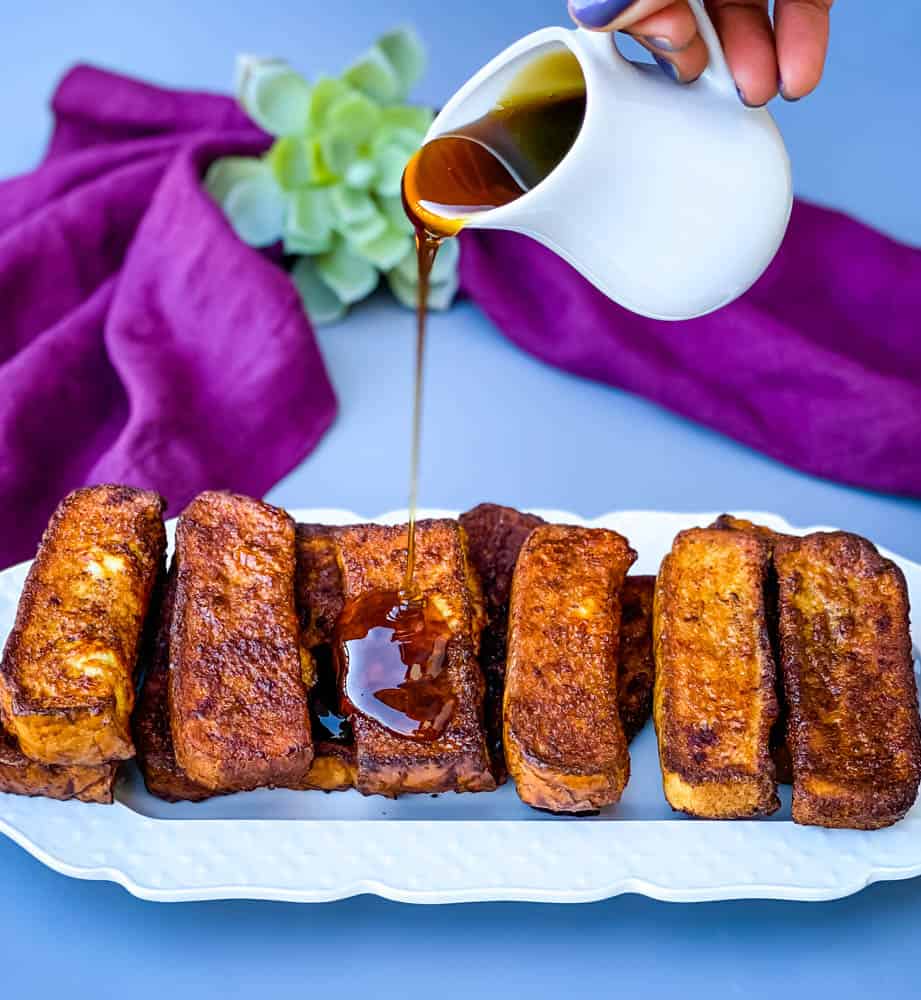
x=818, y=365
x=141, y=341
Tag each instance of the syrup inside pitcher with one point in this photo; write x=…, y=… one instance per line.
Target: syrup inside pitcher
x=497, y=158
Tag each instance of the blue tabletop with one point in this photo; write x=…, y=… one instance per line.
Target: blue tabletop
x=501, y=426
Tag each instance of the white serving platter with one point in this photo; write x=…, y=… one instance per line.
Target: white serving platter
x=316, y=847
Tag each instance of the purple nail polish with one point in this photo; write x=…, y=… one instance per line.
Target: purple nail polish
x=658, y=43
x=742, y=99
x=597, y=13
x=790, y=100
x=667, y=67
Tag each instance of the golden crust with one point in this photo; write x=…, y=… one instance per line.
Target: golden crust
x=21, y=776
x=780, y=752
x=67, y=678
x=636, y=665
x=495, y=535
x=715, y=700
x=151, y=722
x=318, y=584
x=564, y=742
x=333, y=768
x=237, y=698
x=854, y=729
x=372, y=558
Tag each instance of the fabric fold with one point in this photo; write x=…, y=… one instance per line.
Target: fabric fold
x=141, y=341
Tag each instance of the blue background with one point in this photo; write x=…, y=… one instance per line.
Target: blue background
x=498, y=426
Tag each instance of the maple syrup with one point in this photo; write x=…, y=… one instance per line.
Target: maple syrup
x=391, y=646
x=392, y=655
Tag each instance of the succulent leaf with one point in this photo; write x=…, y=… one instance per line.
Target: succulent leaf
x=374, y=75
x=255, y=207
x=348, y=274
x=406, y=54
x=276, y=98
x=320, y=302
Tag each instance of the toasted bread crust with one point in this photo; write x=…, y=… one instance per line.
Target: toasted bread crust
x=237, y=697
x=780, y=752
x=854, y=729
x=564, y=742
x=372, y=558
x=318, y=584
x=21, y=776
x=151, y=722
x=636, y=667
x=495, y=535
x=67, y=678
x=333, y=768
x=715, y=700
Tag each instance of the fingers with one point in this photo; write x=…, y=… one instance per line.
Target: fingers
x=745, y=30
x=671, y=29
x=685, y=65
x=801, y=27
x=614, y=15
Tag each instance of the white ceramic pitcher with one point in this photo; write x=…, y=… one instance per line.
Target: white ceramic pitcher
x=673, y=199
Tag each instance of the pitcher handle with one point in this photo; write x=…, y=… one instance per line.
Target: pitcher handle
x=717, y=74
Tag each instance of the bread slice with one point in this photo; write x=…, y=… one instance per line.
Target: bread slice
x=67, y=677
x=495, y=535
x=715, y=699
x=564, y=742
x=854, y=729
x=780, y=749
x=237, y=695
x=372, y=558
x=21, y=776
x=636, y=665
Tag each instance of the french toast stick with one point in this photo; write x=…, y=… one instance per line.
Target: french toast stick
x=318, y=584
x=67, y=676
x=780, y=751
x=332, y=767
x=715, y=700
x=237, y=696
x=320, y=599
x=372, y=558
x=495, y=535
x=21, y=776
x=151, y=723
x=564, y=741
x=636, y=665
x=854, y=729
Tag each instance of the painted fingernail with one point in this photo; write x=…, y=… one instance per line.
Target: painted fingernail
x=597, y=13
x=790, y=100
x=658, y=42
x=667, y=67
x=744, y=101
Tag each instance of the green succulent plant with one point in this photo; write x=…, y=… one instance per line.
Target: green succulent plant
x=329, y=186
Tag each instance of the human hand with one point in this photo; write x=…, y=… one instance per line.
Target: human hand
x=787, y=56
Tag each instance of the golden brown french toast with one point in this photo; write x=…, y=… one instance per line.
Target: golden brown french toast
x=151, y=722
x=564, y=742
x=636, y=665
x=21, y=776
x=780, y=751
x=333, y=768
x=67, y=677
x=372, y=558
x=318, y=585
x=715, y=700
x=854, y=729
x=495, y=535
x=237, y=696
